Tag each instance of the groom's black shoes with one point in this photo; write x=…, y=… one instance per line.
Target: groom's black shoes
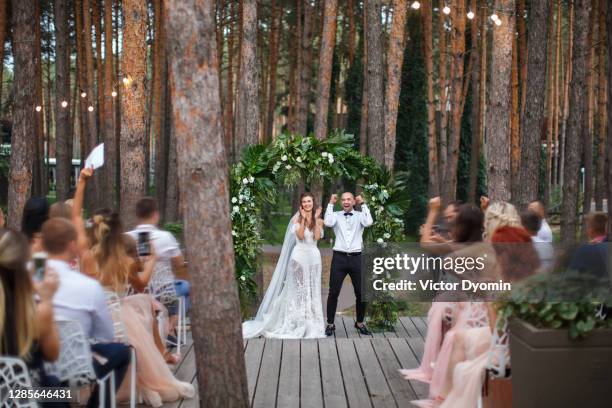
x=363, y=329
x=330, y=329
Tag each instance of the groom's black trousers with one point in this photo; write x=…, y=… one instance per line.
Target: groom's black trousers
x=344, y=264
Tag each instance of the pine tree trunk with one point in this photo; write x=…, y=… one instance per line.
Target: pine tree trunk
x=449, y=188
x=395, y=59
x=3, y=31
x=133, y=100
x=432, y=145
x=228, y=114
x=550, y=97
x=96, y=16
x=374, y=81
x=588, y=130
x=247, y=107
x=515, y=136
x=305, y=69
x=557, y=95
x=159, y=79
x=81, y=79
x=275, y=30
x=498, y=134
x=567, y=79
x=443, y=90
x=479, y=74
x=609, y=115
x=172, y=187
x=576, y=122
x=363, y=125
x=24, y=99
x=110, y=141
x=38, y=172
x=352, y=31
x=63, y=128
x=600, y=177
x=203, y=171
x=92, y=132
x=523, y=53
x=326, y=54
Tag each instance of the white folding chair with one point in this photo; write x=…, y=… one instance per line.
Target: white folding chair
x=75, y=362
x=14, y=376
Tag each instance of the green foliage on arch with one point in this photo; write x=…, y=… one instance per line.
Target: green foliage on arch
x=294, y=158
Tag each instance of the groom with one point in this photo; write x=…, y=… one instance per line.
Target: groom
x=348, y=226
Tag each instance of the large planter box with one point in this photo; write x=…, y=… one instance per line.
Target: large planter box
x=551, y=371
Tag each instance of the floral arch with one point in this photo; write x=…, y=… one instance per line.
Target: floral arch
x=284, y=163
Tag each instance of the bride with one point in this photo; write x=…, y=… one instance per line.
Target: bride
x=292, y=307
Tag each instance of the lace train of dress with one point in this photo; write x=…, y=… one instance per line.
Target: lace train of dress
x=297, y=312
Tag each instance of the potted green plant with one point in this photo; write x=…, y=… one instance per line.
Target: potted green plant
x=560, y=342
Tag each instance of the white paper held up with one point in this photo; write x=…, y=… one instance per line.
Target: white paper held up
x=96, y=157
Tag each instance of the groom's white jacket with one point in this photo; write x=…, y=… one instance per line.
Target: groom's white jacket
x=348, y=228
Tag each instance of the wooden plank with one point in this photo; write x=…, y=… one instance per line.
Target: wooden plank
x=400, y=330
x=289, y=381
x=400, y=388
x=390, y=334
x=331, y=375
x=408, y=360
x=192, y=402
x=421, y=325
x=354, y=382
x=310, y=375
x=340, y=330
x=410, y=327
x=349, y=323
x=417, y=346
x=267, y=382
x=252, y=359
x=376, y=335
x=377, y=384
x=186, y=372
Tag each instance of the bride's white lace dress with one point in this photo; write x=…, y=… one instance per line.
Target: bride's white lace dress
x=292, y=308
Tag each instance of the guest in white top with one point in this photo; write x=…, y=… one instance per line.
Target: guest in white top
x=544, y=232
x=532, y=223
x=82, y=299
x=348, y=226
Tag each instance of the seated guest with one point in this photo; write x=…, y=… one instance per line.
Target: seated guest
x=532, y=223
x=170, y=258
x=35, y=213
x=82, y=299
x=544, y=233
x=27, y=328
x=593, y=257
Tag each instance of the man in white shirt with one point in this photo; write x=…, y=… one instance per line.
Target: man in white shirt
x=348, y=226
x=167, y=250
x=544, y=233
x=81, y=298
x=532, y=223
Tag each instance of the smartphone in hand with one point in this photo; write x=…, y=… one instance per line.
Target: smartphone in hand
x=144, y=243
x=40, y=259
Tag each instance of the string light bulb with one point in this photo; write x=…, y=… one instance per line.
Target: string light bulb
x=446, y=10
x=494, y=17
x=498, y=22
x=64, y=104
x=90, y=108
x=38, y=108
x=83, y=94
x=114, y=94
x=126, y=80
x=470, y=14
x=416, y=5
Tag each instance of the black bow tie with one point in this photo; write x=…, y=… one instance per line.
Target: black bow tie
x=348, y=213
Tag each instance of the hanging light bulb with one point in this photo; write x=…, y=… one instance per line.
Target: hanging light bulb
x=494, y=17
x=90, y=108
x=498, y=22
x=38, y=108
x=114, y=94
x=126, y=80
x=64, y=104
x=470, y=14
x=83, y=94
x=416, y=5
x=446, y=10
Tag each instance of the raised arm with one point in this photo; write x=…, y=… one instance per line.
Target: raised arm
x=330, y=216
x=77, y=208
x=365, y=218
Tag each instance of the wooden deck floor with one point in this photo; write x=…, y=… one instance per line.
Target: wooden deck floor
x=349, y=370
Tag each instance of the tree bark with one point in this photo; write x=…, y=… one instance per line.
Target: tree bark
x=63, y=128
x=203, y=172
x=275, y=30
x=432, y=144
x=305, y=69
x=449, y=188
x=590, y=115
x=90, y=99
x=228, y=113
x=133, y=101
x=24, y=100
x=172, y=188
x=326, y=53
x=247, y=115
x=96, y=16
x=523, y=53
x=567, y=79
x=38, y=170
x=609, y=114
x=479, y=74
x=575, y=122
x=3, y=31
x=374, y=81
x=532, y=119
x=110, y=141
x=498, y=135
x=515, y=137
x=363, y=125
x=600, y=177
x=443, y=91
